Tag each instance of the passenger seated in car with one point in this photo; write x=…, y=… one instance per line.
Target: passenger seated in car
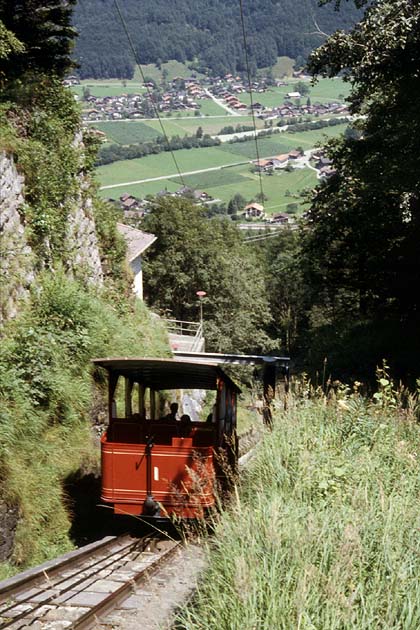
x=173, y=415
x=186, y=425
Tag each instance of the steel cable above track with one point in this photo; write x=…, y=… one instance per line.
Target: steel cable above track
x=250, y=94
x=133, y=50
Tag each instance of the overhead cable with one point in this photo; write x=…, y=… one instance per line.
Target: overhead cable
x=250, y=95
x=136, y=59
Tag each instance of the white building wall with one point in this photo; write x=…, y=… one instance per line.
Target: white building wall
x=138, y=277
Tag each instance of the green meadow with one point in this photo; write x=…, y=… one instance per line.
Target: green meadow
x=324, y=91
x=234, y=175
x=101, y=89
x=163, y=165
x=281, y=188
x=132, y=131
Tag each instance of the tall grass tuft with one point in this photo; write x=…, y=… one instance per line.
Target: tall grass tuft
x=324, y=531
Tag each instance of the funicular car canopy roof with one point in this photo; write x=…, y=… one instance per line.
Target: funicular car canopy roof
x=167, y=373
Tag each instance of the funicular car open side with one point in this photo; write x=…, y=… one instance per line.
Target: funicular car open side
x=156, y=467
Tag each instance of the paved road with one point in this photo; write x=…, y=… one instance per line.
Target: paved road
x=225, y=137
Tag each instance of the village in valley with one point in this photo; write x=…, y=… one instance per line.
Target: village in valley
x=225, y=114
x=185, y=95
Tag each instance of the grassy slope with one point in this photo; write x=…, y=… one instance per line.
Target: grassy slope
x=324, y=530
x=46, y=389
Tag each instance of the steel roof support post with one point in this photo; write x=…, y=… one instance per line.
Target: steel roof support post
x=142, y=410
x=269, y=382
x=152, y=404
x=112, y=386
x=128, y=390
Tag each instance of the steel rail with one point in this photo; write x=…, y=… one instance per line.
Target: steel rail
x=123, y=551
x=114, y=598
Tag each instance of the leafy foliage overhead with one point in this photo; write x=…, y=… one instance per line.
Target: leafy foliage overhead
x=44, y=28
x=209, y=33
x=364, y=225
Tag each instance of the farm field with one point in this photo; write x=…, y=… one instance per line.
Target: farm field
x=325, y=91
x=282, y=142
x=163, y=165
x=282, y=188
x=224, y=183
x=101, y=89
x=127, y=132
x=131, y=131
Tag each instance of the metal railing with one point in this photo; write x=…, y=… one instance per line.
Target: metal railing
x=192, y=330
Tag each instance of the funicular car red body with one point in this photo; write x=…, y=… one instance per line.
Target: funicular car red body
x=155, y=467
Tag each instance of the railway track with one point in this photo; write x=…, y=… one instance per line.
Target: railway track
x=75, y=590
x=79, y=588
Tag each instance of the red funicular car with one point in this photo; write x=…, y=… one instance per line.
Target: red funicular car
x=154, y=464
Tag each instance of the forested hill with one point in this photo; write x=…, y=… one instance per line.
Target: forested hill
x=206, y=30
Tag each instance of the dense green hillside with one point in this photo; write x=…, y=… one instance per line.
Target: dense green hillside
x=209, y=32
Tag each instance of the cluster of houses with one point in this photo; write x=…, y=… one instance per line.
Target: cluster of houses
x=227, y=88
x=278, y=161
x=114, y=107
x=138, y=208
x=183, y=94
x=133, y=106
x=323, y=164
x=294, y=110
x=255, y=210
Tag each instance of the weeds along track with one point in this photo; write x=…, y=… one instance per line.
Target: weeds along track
x=75, y=590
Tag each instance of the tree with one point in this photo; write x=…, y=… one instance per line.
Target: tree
x=303, y=88
x=44, y=27
x=236, y=204
x=363, y=227
x=286, y=288
x=194, y=253
x=199, y=132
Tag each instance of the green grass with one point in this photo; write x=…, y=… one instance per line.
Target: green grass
x=101, y=90
x=141, y=190
x=210, y=108
x=309, y=139
x=174, y=68
x=128, y=132
x=282, y=188
x=212, y=126
x=276, y=187
x=282, y=142
x=225, y=183
x=163, y=165
x=326, y=90
x=47, y=398
x=267, y=146
x=324, y=530
x=283, y=67
x=214, y=179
